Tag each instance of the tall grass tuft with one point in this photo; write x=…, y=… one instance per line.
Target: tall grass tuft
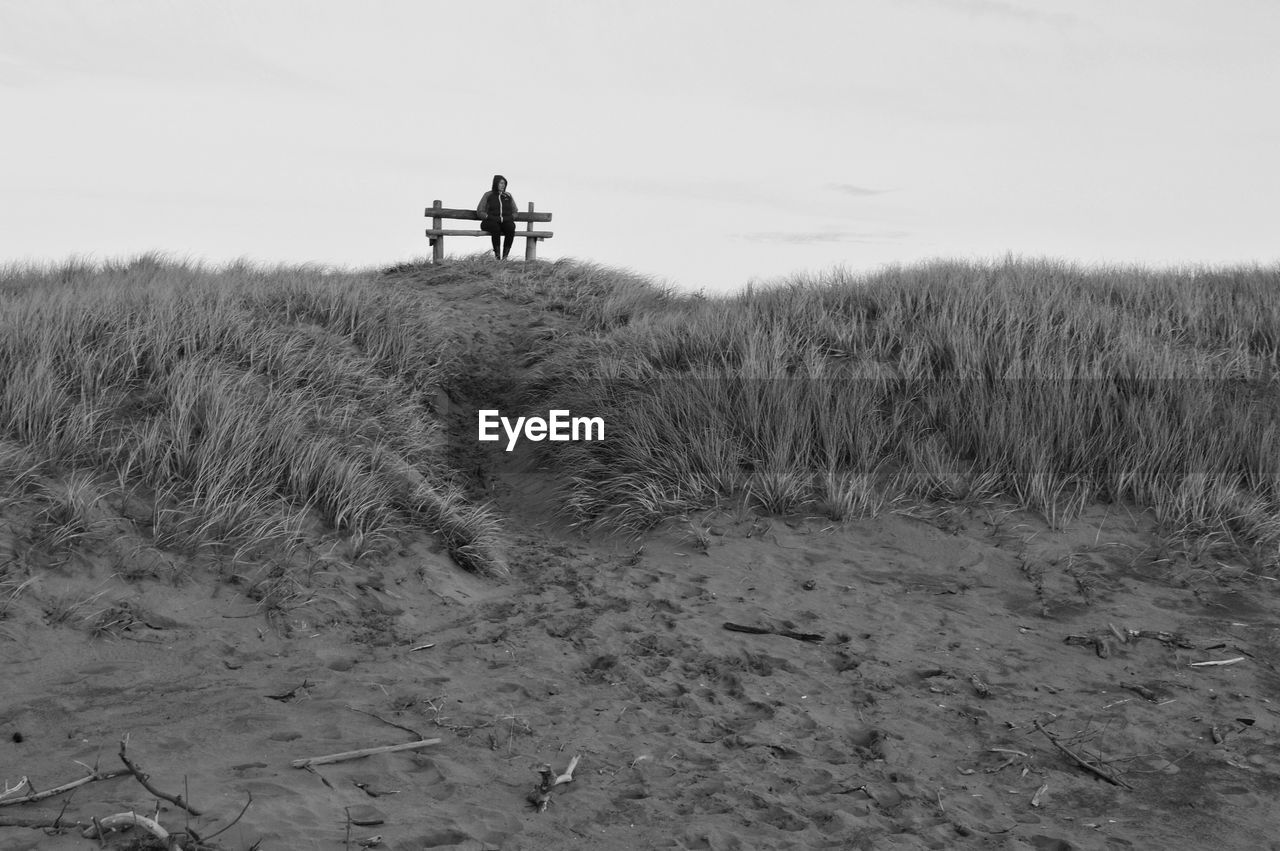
x=1037, y=381
x=238, y=403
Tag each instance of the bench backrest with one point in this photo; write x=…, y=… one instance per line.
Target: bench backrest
x=436, y=233
x=438, y=212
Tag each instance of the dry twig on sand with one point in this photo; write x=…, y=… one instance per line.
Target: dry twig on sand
x=239, y=816
x=1217, y=662
x=131, y=820
x=36, y=822
x=1091, y=767
x=120, y=820
x=145, y=778
x=22, y=784
x=1141, y=691
x=1039, y=795
x=346, y=755
x=408, y=730
x=812, y=637
x=65, y=787
x=1101, y=640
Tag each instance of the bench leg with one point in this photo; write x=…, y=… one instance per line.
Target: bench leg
x=437, y=243
x=530, y=250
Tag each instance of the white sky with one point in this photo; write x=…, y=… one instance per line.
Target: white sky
x=705, y=143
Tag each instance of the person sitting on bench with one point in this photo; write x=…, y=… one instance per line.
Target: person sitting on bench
x=498, y=211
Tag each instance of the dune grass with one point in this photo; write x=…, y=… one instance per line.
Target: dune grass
x=1037, y=382
x=245, y=410
x=600, y=297
x=227, y=410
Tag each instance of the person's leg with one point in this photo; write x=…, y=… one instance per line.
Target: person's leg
x=489, y=225
x=509, y=234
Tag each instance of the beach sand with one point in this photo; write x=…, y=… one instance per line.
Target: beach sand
x=690, y=735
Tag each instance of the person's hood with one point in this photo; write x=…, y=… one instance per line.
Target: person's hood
x=496, y=178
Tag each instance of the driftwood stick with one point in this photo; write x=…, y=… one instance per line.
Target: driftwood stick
x=131, y=820
x=326, y=783
x=1039, y=795
x=35, y=822
x=144, y=780
x=65, y=787
x=1163, y=637
x=233, y=821
x=23, y=785
x=408, y=730
x=1097, y=770
x=754, y=630
x=62, y=812
x=785, y=633
x=346, y=755
x=567, y=777
x=1008, y=751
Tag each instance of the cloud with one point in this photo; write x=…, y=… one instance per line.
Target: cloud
x=824, y=237
x=856, y=191
x=51, y=44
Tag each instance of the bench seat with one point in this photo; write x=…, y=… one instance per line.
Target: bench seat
x=535, y=234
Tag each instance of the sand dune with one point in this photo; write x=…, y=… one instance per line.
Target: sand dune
x=915, y=681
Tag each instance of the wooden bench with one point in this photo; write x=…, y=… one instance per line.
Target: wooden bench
x=437, y=232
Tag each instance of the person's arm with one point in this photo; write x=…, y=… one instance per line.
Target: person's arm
x=483, y=207
x=515, y=208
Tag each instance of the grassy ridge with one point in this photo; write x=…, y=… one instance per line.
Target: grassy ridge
x=240, y=411
x=1038, y=382
x=599, y=297
x=228, y=410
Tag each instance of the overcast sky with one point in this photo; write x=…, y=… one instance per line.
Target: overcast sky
x=705, y=143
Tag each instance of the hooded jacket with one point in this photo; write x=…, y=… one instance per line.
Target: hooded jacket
x=496, y=204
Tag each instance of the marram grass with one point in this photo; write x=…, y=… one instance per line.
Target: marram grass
x=1037, y=382
x=239, y=410
x=236, y=407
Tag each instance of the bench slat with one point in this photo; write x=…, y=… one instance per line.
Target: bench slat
x=472, y=215
x=535, y=234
